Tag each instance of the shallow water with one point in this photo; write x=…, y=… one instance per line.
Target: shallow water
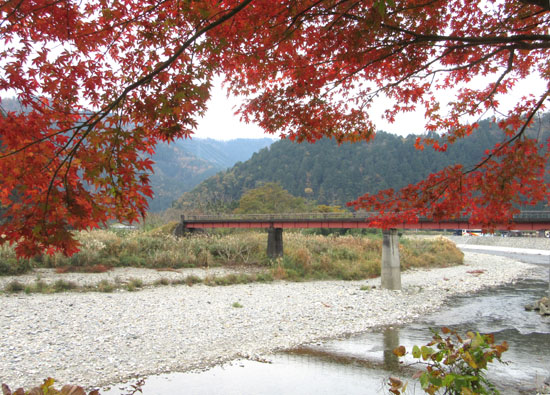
x=361, y=364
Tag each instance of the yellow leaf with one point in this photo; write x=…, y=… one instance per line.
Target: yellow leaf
x=400, y=351
x=395, y=382
x=468, y=358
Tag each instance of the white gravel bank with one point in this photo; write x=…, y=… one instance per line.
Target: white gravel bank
x=123, y=275
x=94, y=339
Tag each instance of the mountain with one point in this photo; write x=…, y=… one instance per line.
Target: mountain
x=176, y=171
x=11, y=104
x=224, y=154
x=332, y=174
x=182, y=165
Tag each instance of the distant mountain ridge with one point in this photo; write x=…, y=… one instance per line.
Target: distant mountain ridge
x=176, y=171
x=224, y=153
x=332, y=174
x=182, y=165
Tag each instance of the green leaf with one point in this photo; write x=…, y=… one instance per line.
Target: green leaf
x=416, y=352
x=424, y=380
x=436, y=381
x=426, y=352
x=477, y=341
x=460, y=382
x=470, y=360
x=448, y=380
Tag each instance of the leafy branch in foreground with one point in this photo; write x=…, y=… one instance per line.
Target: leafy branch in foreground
x=47, y=388
x=453, y=364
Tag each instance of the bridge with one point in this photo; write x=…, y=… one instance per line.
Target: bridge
x=391, y=277
x=525, y=221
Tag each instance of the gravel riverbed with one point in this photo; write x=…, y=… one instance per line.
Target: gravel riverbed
x=95, y=339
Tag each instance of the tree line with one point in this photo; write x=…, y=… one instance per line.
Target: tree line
x=333, y=174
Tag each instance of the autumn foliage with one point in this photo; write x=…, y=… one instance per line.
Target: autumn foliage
x=103, y=81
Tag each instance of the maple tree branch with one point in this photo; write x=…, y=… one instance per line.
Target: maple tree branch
x=420, y=39
x=294, y=21
x=363, y=67
x=517, y=39
x=127, y=21
x=544, y=4
x=490, y=95
x=97, y=117
x=411, y=74
x=341, y=15
x=515, y=137
x=40, y=140
x=12, y=12
x=498, y=82
x=412, y=7
x=16, y=8
x=167, y=63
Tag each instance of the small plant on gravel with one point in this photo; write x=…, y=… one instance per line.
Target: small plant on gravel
x=229, y=279
x=41, y=287
x=134, y=283
x=454, y=364
x=178, y=281
x=191, y=280
x=237, y=305
x=211, y=281
x=162, y=281
x=62, y=285
x=105, y=286
x=14, y=287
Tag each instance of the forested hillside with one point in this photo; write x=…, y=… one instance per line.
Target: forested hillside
x=182, y=165
x=175, y=172
x=223, y=154
x=332, y=174
x=11, y=104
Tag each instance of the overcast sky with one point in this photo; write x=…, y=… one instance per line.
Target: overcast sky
x=220, y=123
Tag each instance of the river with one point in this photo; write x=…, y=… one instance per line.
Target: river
x=361, y=364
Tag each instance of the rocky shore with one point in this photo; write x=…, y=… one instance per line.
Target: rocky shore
x=94, y=339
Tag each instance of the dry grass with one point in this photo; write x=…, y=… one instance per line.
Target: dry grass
x=345, y=257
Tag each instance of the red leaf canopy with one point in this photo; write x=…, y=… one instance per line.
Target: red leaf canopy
x=103, y=81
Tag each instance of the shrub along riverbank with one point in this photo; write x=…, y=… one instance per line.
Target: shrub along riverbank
x=307, y=256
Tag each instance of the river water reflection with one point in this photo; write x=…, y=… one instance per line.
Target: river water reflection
x=361, y=364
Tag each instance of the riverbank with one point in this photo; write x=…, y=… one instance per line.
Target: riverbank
x=94, y=339
x=533, y=243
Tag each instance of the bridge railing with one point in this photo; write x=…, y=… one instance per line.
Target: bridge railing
x=274, y=217
x=522, y=216
x=533, y=215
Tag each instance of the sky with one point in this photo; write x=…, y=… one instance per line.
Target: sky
x=220, y=123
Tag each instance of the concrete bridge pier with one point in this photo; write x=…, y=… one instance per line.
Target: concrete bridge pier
x=391, y=269
x=274, y=242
